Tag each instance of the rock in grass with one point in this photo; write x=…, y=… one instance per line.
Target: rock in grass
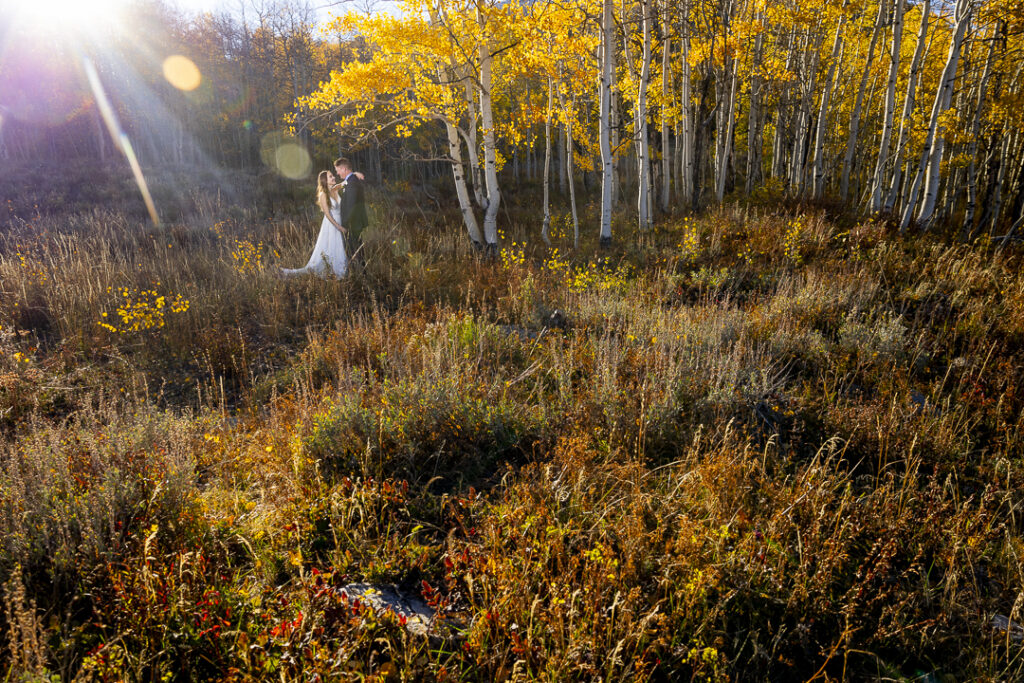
x=417, y=617
x=1003, y=624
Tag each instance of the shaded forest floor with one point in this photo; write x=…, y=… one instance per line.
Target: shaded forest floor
x=753, y=444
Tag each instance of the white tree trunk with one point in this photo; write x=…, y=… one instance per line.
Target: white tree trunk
x=726, y=108
x=968, y=226
x=490, y=148
x=727, y=123
x=666, y=156
x=998, y=157
x=686, y=165
x=908, y=107
x=562, y=186
x=818, y=178
x=851, y=143
x=642, y=143
x=803, y=116
x=755, y=123
x=570, y=115
x=875, y=203
x=473, y=145
x=605, y=92
x=996, y=207
x=778, y=167
x=459, y=171
x=546, y=227
x=722, y=89
x=570, y=152
x=931, y=157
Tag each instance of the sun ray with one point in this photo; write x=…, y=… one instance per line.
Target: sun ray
x=119, y=136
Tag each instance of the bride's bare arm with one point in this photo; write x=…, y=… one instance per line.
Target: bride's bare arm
x=327, y=213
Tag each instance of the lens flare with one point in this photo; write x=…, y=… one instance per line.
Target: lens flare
x=286, y=155
x=293, y=161
x=182, y=73
x=119, y=137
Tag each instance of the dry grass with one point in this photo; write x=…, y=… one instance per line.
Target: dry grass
x=749, y=446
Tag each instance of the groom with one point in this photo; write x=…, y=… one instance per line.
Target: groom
x=353, y=207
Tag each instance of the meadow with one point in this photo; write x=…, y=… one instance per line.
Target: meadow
x=767, y=442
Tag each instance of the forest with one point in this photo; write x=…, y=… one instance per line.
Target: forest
x=901, y=109
x=684, y=343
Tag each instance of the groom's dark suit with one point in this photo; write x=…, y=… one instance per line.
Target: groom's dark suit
x=353, y=212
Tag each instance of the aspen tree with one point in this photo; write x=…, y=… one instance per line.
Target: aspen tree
x=605, y=96
x=755, y=121
x=881, y=163
x=642, y=142
x=686, y=109
x=490, y=147
x=906, y=119
x=968, y=222
x=811, y=56
x=851, y=143
x=931, y=156
x=546, y=226
x=666, y=157
x=818, y=181
x=728, y=85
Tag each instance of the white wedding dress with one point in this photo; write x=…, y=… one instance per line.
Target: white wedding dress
x=329, y=252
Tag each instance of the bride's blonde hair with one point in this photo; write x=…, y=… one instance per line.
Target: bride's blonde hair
x=322, y=189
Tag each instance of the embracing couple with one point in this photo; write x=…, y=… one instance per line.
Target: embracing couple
x=342, y=199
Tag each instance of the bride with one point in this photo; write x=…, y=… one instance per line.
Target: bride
x=329, y=252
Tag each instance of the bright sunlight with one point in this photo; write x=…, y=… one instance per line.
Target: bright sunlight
x=71, y=16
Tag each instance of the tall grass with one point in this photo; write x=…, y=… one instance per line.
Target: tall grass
x=749, y=445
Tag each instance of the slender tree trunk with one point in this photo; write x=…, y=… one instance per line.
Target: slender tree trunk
x=803, y=119
x=782, y=117
x=472, y=145
x=1017, y=208
x=725, y=98
x=996, y=203
x=546, y=227
x=562, y=185
x=931, y=158
x=677, y=149
x=728, y=124
x=726, y=103
x=908, y=107
x=666, y=156
x=994, y=159
x=490, y=147
x=755, y=122
x=605, y=92
x=615, y=118
x=851, y=143
x=686, y=164
x=569, y=117
x=818, y=181
x=968, y=226
x=875, y=203
x=703, y=124
x=643, y=143
x=459, y=171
